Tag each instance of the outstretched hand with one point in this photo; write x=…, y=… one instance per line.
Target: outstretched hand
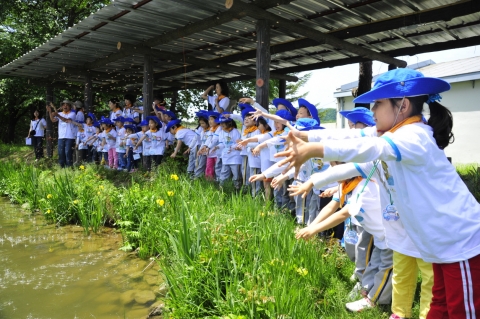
x=297, y=153
x=301, y=189
x=256, y=178
x=305, y=233
x=278, y=181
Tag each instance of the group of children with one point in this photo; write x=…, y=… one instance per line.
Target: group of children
x=399, y=204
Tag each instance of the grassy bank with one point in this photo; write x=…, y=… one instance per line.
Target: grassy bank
x=224, y=255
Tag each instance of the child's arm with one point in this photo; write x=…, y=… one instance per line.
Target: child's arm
x=140, y=141
x=329, y=192
x=330, y=219
x=244, y=142
x=177, y=149
x=259, y=113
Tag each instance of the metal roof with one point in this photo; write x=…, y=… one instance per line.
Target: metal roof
x=194, y=42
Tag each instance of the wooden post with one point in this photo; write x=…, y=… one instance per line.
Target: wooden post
x=49, y=131
x=88, y=94
x=364, y=81
x=263, y=62
x=148, y=85
x=173, y=107
x=282, y=89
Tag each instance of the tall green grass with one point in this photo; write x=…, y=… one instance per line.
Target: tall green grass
x=223, y=255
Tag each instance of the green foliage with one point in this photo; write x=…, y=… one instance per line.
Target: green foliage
x=328, y=115
x=25, y=25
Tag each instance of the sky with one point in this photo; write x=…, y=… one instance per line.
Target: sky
x=324, y=82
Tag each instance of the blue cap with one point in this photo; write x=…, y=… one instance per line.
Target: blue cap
x=143, y=123
x=243, y=106
x=311, y=108
x=155, y=119
x=306, y=122
x=128, y=119
x=360, y=114
x=171, y=124
x=213, y=114
x=119, y=119
x=223, y=119
x=247, y=111
x=96, y=124
x=400, y=83
x=169, y=113
x=129, y=126
x=92, y=116
x=106, y=120
x=311, y=128
x=286, y=103
x=286, y=115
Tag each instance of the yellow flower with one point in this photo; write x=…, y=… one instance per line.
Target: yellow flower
x=48, y=211
x=174, y=177
x=170, y=193
x=101, y=187
x=49, y=196
x=160, y=202
x=98, y=193
x=75, y=202
x=82, y=167
x=302, y=271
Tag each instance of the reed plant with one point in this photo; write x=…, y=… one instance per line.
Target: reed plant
x=224, y=255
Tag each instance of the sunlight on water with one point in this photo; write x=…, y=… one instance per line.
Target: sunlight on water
x=58, y=273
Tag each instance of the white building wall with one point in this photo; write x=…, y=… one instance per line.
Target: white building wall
x=463, y=100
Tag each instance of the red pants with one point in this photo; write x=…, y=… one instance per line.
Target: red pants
x=210, y=169
x=456, y=290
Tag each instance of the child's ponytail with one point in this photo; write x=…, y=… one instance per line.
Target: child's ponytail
x=441, y=121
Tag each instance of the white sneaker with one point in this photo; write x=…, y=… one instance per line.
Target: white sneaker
x=359, y=305
x=353, y=277
x=355, y=292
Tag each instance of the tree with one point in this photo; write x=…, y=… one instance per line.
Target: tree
x=25, y=25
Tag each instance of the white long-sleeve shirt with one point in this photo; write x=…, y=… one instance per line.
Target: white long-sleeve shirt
x=437, y=210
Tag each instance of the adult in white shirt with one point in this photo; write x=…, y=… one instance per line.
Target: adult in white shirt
x=66, y=132
x=36, y=133
x=220, y=101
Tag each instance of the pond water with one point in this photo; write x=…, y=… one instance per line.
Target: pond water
x=60, y=273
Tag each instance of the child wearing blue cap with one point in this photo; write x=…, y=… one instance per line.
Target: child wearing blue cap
x=423, y=189
x=82, y=146
x=359, y=117
x=358, y=199
x=109, y=140
x=184, y=136
x=156, y=137
x=231, y=158
x=130, y=142
x=211, y=141
x=144, y=148
x=250, y=163
x=120, y=146
x=203, y=130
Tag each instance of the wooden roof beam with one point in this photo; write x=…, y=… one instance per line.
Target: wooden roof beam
x=313, y=34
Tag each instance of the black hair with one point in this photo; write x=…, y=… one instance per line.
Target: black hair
x=230, y=124
x=131, y=129
x=203, y=119
x=39, y=114
x=309, y=114
x=130, y=97
x=224, y=88
x=264, y=122
x=441, y=119
x=114, y=100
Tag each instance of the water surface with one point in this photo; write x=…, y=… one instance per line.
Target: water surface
x=59, y=273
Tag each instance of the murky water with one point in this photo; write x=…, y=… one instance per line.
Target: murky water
x=61, y=273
